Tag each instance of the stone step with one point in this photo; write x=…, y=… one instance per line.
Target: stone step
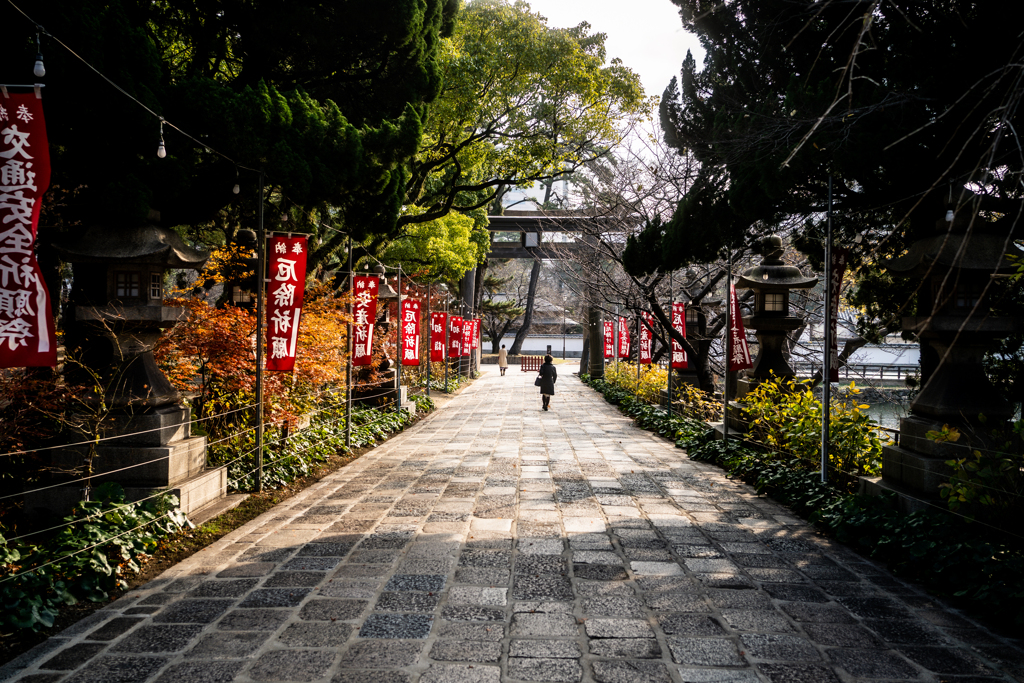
x=193, y=493
x=217, y=508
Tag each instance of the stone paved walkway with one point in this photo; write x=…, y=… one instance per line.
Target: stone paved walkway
x=495, y=542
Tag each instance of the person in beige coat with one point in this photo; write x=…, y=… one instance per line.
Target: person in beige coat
x=502, y=360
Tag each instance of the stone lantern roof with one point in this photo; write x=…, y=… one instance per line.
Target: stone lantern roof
x=987, y=241
x=145, y=244
x=774, y=274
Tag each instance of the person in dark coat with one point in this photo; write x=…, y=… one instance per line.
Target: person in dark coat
x=548, y=377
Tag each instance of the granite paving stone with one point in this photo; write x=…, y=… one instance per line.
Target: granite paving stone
x=228, y=644
x=545, y=670
x=493, y=542
x=626, y=648
x=291, y=665
x=631, y=672
x=73, y=657
x=465, y=651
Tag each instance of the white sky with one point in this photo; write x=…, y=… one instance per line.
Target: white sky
x=647, y=35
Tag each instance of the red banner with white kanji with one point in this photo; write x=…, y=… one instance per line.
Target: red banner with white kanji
x=623, y=338
x=738, y=353
x=838, y=271
x=455, y=336
x=286, y=269
x=476, y=333
x=679, y=359
x=27, y=336
x=609, y=339
x=437, y=326
x=646, y=342
x=364, y=316
x=410, y=322
x=467, y=336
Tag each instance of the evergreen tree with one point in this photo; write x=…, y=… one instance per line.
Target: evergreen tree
x=329, y=98
x=910, y=106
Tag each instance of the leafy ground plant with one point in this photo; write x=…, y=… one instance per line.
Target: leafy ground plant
x=784, y=415
x=101, y=544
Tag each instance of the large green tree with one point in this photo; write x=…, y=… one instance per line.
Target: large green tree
x=520, y=102
x=328, y=98
x=909, y=106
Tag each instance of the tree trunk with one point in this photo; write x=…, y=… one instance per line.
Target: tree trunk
x=478, y=287
x=524, y=329
x=585, y=355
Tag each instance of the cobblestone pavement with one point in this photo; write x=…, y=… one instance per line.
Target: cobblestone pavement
x=495, y=542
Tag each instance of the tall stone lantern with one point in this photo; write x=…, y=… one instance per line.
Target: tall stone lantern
x=146, y=444
x=956, y=329
x=771, y=282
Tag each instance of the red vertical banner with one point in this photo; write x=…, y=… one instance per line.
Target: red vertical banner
x=609, y=339
x=738, y=353
x=410, y=331
x=438, y=321
x=838, y=271
x=623, y=338
x=646, y=340
x=286, y=269
x=476, y=333
x=455, y=336
x=27, y=336
x=364, y=316
x=679, y=359
x=467, y=336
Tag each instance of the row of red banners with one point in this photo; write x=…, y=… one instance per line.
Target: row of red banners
x=646, y=338
x=739, y=353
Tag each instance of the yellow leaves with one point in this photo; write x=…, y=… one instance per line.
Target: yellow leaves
x=946, y=434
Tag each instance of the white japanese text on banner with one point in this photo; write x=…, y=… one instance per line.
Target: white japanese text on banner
x=364, y=316
x=287, y=288
x=679, y=359
x=411, y=332
x=27, y=336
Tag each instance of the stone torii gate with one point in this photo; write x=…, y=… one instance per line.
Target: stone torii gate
x=531, y=226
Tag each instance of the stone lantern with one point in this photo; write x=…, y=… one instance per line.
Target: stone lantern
x=956, y=329
x=119, y=313
x=771, y=282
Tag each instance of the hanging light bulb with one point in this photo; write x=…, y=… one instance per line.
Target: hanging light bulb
x=236, y=189
x=949, y=215
x=161, y=151
x=39, y=69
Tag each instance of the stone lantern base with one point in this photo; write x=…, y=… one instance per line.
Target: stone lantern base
x=157, y=453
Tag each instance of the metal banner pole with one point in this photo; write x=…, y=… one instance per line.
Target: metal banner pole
x=401, y=350
x=447, y=341
x=638, y=324
x=671, y=313
x=728, y=349
x=430, y=347
x=261, y=297
x=826, y=366
x=348, y=362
